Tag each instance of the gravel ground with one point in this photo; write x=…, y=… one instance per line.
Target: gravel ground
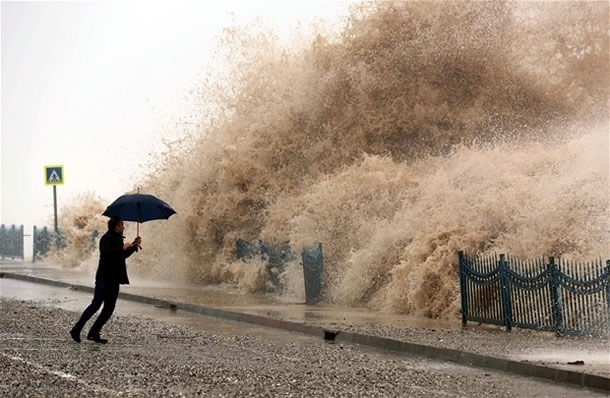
x=521, y=345
x=537, y=347
x=149, y=358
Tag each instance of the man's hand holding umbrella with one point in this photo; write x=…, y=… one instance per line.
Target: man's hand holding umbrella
x=137, y=242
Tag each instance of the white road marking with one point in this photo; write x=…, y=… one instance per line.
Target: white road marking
x=60, y=374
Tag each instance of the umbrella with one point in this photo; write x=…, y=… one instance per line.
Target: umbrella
x=139, y=207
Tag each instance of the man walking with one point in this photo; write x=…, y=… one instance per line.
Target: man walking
x=111, y=272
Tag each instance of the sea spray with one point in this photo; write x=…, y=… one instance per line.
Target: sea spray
x=79, y=222
x=424, y=128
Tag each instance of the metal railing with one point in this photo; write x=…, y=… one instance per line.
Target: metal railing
x=551, y=295
x=12, y=244
x=44, y=240
x=276, y=258
x=11, y=241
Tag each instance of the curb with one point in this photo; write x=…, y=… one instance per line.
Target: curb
x=582, y=379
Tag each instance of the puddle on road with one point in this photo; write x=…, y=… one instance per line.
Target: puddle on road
x=76, y=301
x=589, y=357
x=225, y=299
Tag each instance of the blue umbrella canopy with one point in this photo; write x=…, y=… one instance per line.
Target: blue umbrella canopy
x=139, y=207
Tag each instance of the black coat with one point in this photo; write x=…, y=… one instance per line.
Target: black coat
x=112, y=267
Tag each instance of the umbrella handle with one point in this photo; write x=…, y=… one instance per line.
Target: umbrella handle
x=139, y=217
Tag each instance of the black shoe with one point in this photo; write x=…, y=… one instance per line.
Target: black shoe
x=75, y=335
x=97, y=339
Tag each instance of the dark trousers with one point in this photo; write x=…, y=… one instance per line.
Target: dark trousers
x=104, y=293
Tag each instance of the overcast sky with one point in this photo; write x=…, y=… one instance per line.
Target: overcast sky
x=93, y=86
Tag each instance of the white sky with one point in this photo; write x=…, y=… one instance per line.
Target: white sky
x=92, y=85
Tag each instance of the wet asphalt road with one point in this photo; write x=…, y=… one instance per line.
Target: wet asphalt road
x=154, y=352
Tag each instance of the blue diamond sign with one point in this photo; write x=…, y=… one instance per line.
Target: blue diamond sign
x=53, y=175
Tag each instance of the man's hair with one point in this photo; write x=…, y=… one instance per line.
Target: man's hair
x=113, y=222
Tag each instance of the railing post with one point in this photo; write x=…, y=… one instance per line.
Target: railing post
x=463, y=287
x=313, y=270
x=555, y=296
x=34, y=245
x=21, y=242
x=607, y=294
x=506, y=300
x=2, y=241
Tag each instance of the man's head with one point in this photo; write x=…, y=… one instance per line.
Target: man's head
x=116, y=224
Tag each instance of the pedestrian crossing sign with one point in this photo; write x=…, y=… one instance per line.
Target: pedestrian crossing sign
x=53, y=175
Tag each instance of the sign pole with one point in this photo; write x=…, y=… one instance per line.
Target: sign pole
x=54, y=175
x=55, y=205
